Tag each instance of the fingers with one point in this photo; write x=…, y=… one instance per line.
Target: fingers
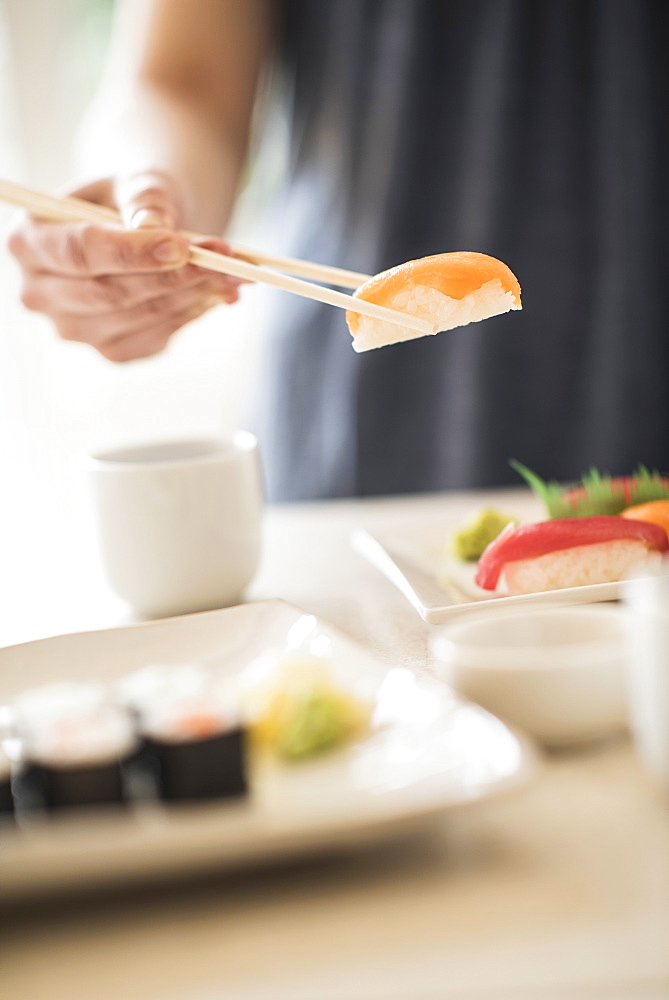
x=106, y=327
x=151, y=199
x=151, y=340
x=220, y=246
x=100, y=192
x=44, y=292
x=124, y=292
x=85, y=250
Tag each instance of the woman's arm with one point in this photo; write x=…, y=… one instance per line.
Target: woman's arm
x=165, y=142
x=178, y=96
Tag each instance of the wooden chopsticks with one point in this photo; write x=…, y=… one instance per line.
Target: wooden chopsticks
x=70, y=209
x=301, y=268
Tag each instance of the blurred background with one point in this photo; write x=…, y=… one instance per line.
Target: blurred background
x=60, y=400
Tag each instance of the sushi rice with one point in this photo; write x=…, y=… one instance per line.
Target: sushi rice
x=604, y=562
x=444, y=312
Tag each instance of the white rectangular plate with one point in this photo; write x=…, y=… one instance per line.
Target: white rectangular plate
x=427, y=752
x=441, y=589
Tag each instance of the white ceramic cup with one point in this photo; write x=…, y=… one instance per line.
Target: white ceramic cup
x=647, y=601
x=179, y=522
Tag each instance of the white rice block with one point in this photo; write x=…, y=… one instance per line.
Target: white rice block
x=187, y=720
x=159, y=683
x=603, y=562
x=166, y=696
x=60, y=700
x=72, y=725
x=441, y=310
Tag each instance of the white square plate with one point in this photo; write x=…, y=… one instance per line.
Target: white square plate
x=427, y=752
x=440, y=588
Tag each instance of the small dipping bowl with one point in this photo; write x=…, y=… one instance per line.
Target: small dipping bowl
x=558, y=674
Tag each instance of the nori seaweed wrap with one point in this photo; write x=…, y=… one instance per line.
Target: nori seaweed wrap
x=209, y=767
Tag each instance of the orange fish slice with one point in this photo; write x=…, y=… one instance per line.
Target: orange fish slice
x=655, y=512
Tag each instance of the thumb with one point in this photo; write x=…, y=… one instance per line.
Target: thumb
x=149, y=200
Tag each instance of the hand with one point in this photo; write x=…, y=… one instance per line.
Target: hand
x=123, y=292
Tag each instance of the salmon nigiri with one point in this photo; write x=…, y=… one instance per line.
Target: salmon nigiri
x=447, y=289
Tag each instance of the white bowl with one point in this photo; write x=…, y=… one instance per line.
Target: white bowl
x=559, y=674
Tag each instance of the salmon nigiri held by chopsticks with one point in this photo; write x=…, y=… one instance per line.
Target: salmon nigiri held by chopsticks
x=448, y=289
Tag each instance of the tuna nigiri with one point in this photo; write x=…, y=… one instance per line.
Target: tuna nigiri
x=448, y=289
x=569, y=552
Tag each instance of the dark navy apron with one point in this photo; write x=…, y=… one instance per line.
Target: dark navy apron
x=527, y=129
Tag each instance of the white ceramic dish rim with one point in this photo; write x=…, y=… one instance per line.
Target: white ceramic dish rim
x=435, y=606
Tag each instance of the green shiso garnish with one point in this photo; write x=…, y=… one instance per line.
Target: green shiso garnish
x=596, y=493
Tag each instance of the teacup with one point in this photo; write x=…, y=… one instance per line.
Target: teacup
x=179, y=522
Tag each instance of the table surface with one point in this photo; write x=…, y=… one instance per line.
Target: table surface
x=559, y=889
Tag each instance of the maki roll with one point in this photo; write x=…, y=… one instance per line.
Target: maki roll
x=192, y=746
x=73, y=747
x=571, y=552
